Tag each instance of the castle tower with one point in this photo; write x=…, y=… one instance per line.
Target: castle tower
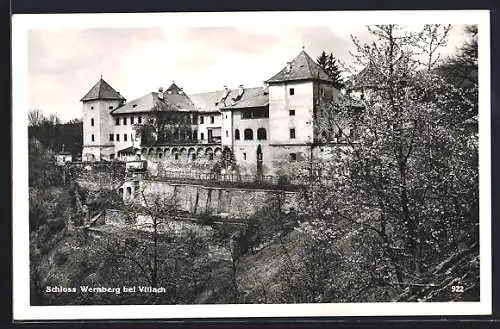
x=98, y=125
x=295, y=95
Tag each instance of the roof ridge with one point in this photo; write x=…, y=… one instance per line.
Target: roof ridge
x=307, y=63
x=99, y=87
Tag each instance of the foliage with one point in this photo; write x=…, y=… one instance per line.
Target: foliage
x=42, y=170
x=329, y=64
x=53, y=134
x=410, y=199
x=165, y=124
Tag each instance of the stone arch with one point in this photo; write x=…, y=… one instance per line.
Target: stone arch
x=199, y=152
x=120, y=192
x=174, y=150
x=166, y=150
x=128, y=193
x=191, y=154
x=248, y=134
x=209, y=153
x=261, y=134
x=218, y=151
x=182, y=151
x=89, y=157
x=151, y=151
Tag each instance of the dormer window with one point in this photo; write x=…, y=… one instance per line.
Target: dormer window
x=134, y=106
x=111, y=107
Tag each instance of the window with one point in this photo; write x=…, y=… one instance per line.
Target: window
x=248, y=134
x=292, y=91
x=131, y=137
x=201, y=120
x=255, y=114
x=111, y=137
x=117, y=121
x=131, y=120
x=176, y=156
x=202, y=136
x=292, y=112
x=193, y=156
x=125, y=137
x=237, y=134
x=92, y=122
x=117, y=137
x=92, y=137
x=226, y=116
x=244, y=156
x=160, y=155
x=91, y=107
x=139, y=119
x=292, y=133
x=212, y=119
x=210, y=156
x=111, y=156
x=125, y=121
x=293, y=156
x=227, y=133
x=111, y=107
x=261, y=134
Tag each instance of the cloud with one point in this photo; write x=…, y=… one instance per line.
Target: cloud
x=64, y=64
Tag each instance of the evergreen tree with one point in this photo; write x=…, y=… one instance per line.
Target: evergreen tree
x=329, y=64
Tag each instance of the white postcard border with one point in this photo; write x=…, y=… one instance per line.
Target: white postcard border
x=21, y=24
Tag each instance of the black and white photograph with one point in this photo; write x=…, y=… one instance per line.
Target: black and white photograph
x=197, y=165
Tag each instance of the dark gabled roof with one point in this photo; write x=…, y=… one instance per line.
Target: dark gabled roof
x=212, y=101
x=141, y=104
x=176, y=97
x=129, y=149
x=102, y=90
x=252, y=97
x=206, y=102
x=179, y=102
x=303, y=67
x=174, y=89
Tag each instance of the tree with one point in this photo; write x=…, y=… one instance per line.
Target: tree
x=165, y=124
x=429, y=41
x=408, y=222
x=329, y=64
x=35, y=118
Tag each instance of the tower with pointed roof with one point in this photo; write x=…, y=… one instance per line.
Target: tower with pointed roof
x=297, y=95
x=98, y=124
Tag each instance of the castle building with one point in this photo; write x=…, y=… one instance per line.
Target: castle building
x=267, y=130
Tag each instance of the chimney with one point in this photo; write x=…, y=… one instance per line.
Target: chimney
x=241, y=90
x=288, y=67
x=160, y=93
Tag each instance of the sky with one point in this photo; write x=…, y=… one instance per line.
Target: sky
x=63, y=64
